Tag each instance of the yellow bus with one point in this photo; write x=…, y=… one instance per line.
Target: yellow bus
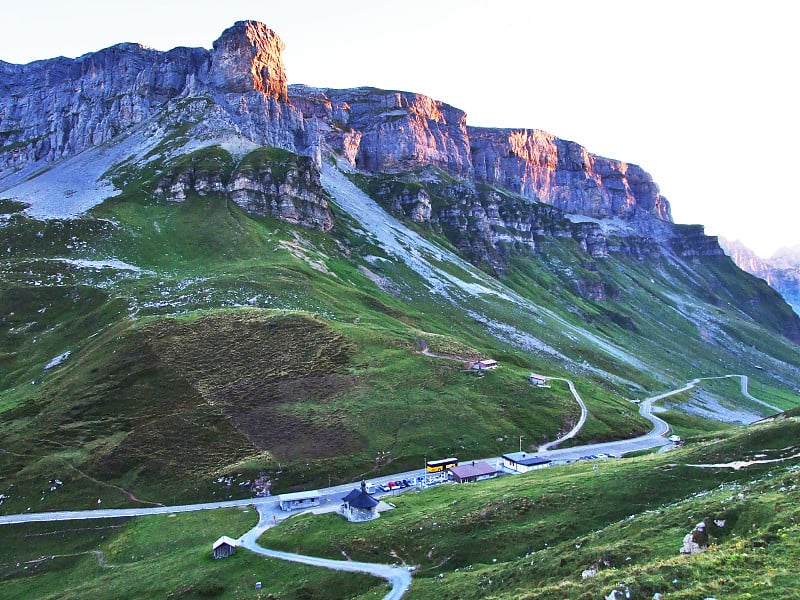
x=435, y=466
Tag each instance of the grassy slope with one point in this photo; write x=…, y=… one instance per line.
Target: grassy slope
x=531, y=536
x=139, y=392
x=156, y=557
x=163, y=392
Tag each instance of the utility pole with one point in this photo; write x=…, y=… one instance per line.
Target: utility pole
x=520, y=443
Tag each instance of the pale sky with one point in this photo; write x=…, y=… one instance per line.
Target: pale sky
x=701, y=94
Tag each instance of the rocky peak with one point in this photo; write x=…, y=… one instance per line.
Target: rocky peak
x=246, y=58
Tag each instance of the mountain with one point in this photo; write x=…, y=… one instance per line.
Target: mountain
x=781, y=271
x=236, y=96
x=214, y=281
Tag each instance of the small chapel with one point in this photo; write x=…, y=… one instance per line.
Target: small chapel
x=359, y=506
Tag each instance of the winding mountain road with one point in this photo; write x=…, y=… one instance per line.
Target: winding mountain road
x=398, y=577
x=581, y=420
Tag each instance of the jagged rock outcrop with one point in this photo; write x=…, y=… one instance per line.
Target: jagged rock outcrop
x=540, y=166
x=56, y=108
x=288, y=188
x=483, y=222
x=247, y=58
x=268, y=181
x=691, y=241
x=389, y=131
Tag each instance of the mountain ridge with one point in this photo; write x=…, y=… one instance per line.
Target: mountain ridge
x=781, y=271
x=100, y=95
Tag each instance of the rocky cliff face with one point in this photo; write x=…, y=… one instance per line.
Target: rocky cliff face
x=265, y=182
x=691, y=241
x=386, y=131
x=247, y=58
x=540, y=166
x=485, y=223
x=56, y=108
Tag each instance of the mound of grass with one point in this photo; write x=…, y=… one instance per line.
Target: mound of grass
x=8, y=207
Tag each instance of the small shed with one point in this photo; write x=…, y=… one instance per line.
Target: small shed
x=537, y=379
x=483, y=365
x=476, y=471
x=522, y=462
x=223, y=547
x=359, y=506
x=298, y=500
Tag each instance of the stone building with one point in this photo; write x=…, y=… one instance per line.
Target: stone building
x=358, y=505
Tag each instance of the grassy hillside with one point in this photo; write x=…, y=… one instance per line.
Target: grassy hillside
x=152, y=349
x=532, y=536
x=156, y=557
x=527, y=536
x=162, y=352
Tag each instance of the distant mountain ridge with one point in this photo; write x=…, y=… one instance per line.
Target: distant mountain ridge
x=781, y=271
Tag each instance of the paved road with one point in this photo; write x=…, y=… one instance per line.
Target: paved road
x=747, y=395
x=111, y=513
x=581, y=421
x=399, y=577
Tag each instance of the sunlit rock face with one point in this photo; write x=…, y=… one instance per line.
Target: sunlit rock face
x=540, y=166
x=388, y=131
x=781, y=271
x=246, y=58
x=54, y=109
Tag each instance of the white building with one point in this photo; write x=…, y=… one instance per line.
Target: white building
x=223, y=547
x=536, y=379
x=298, y=500
x=485, y=364
x=522, y=462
